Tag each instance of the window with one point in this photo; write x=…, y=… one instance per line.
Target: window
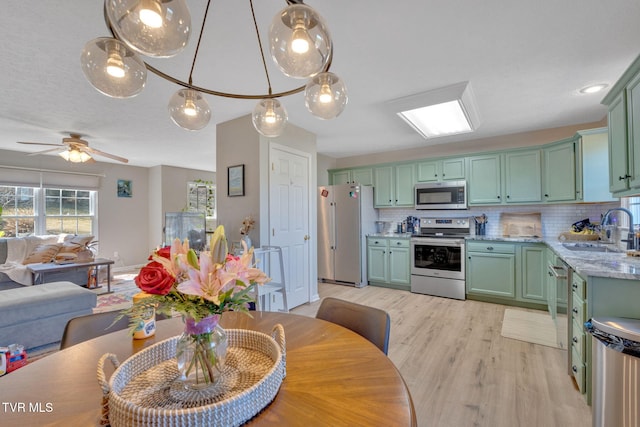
x=33, y=210
x=18, y=211
x=633, y=204
x=68, y=211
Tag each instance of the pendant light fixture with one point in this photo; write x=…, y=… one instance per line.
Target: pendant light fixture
x=325, y=95
x=112, y=68
x=269, y=117
x=189, y=110
x=156, y=28
x=300, y=42
x=300, y=46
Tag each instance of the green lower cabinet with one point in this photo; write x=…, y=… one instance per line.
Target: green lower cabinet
x=507, y=273
x=533, y=268
x=491, y=274
x=388, y=261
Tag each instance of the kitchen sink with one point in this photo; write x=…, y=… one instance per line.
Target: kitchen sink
x=591, y=247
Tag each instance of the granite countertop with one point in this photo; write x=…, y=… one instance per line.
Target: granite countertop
x=616, y=265
x=391, y=235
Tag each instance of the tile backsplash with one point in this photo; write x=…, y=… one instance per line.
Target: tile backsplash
x=555, y=218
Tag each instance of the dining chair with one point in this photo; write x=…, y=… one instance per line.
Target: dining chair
x=83, y=328
x=372, y=323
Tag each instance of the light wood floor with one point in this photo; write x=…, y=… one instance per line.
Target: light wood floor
x=461, y=371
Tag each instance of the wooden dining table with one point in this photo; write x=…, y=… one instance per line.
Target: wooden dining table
x=334, y=377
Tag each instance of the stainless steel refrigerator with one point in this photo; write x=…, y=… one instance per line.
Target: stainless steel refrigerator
x=345, y=217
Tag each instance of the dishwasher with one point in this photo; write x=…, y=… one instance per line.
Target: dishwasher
x=616, y=371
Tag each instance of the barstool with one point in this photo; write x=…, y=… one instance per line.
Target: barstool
x=267, y=293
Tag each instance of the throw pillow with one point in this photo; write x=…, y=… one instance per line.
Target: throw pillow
x=81, y=239
x=42, y=253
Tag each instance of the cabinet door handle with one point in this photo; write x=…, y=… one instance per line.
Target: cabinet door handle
x=575, y=310
x=624, y=177
x=490, y=248
x=508, y=197
x=574, y=368
x=546, y=195
x=376, y=242
x=498, y=197
x=575, y=340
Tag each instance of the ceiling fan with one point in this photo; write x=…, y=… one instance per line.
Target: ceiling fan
x=75, y=150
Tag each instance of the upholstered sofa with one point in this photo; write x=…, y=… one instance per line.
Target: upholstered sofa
x=77, y=276
x=36, y=315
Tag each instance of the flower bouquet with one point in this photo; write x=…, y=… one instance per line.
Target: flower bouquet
x=200, y=289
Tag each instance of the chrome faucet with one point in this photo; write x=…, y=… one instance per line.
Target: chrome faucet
x=630, y=234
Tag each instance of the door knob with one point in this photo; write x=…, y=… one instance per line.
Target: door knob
x=306, y=237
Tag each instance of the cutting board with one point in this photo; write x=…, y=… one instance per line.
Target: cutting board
x=521, y=224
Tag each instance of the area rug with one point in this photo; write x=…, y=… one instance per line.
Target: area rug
x=529, y=326
x=123, y=288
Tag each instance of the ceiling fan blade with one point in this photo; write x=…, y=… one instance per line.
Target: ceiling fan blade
x=41, y=143
x=102, y=153
x=50, y=150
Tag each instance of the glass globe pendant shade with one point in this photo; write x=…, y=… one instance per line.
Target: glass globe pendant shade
x=269, y=117
x=325, y=95
x=299, y=41
x=189, y=110
x=156, y=28
x=75, y=156
x=112, y=68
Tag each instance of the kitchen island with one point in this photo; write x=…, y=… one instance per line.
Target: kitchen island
x=599, y=284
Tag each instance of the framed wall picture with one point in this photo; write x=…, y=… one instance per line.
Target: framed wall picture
x=235, y=180
x=125, y=188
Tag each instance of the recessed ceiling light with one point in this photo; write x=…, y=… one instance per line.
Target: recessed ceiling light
x=439, y=112
x=593, y=88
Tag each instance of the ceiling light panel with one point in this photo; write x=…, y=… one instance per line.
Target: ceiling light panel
x=440, y=112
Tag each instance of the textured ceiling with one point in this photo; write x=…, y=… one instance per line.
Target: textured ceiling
x=525, y=61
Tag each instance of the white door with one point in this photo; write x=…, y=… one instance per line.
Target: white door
x=289, y=219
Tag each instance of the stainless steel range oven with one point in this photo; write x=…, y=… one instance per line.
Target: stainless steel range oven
x=438, y=257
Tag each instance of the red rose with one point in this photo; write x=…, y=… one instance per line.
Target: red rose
x=164, y=252
x=154, y=279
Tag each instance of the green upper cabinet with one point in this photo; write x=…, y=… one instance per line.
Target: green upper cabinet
x=429, y=171
x=340, y=177
x=523, y=177
x=618, y=158
x=394, y=185
x=363, y=176
x=592, y=161
x=405, y=179
x=560, y=172
x=383, y=195
x=484, y=182
x=442, y=170
x=633, y=131
x=623, y=103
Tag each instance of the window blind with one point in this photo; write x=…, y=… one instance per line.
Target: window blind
x=27, y=177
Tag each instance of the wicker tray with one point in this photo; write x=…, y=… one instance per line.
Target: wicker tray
x=142, y=391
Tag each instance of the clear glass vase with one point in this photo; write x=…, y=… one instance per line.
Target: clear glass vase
x=201, y=352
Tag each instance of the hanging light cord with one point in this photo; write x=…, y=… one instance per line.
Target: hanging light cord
x=264, y=63
x=195, y=55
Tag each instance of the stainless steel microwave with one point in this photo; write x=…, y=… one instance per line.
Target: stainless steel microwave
x=441, y=195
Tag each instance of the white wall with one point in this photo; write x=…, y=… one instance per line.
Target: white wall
x=429, y=150
x=238, y=143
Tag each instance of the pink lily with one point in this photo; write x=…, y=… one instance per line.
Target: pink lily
x=208, y=282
